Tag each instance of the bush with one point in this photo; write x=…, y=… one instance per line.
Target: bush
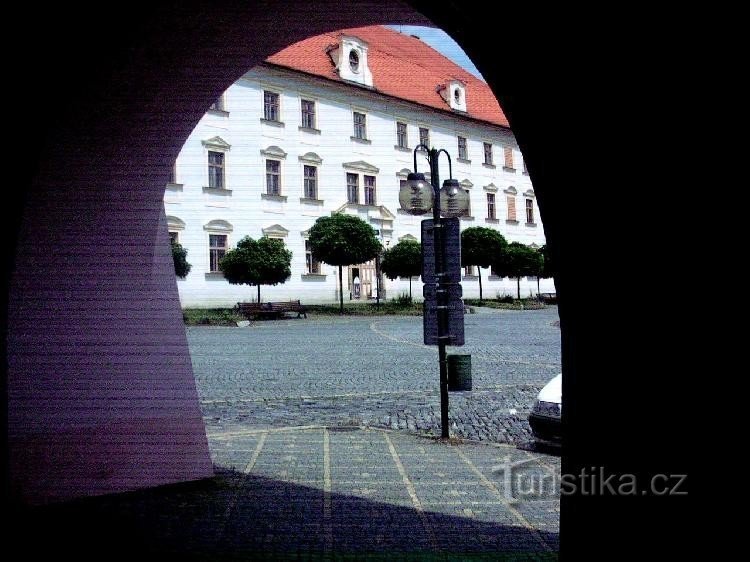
x=403, y=299
x=508, y=299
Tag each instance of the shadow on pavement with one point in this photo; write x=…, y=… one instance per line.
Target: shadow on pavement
x=241, y=517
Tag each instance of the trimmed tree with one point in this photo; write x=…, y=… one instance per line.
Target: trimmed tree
x=480, y=246
x=179, y=257
x=517, y=260
x=403, y=260
x=343, y=240
x=265, y=261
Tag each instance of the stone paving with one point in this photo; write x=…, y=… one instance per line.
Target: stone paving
x=375, y=372
x=320, y=435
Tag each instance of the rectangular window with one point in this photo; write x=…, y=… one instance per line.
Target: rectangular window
x=463, y=154
x=308, y=114
x=508, y=157
x=271, y=111
x=174, y=238
x=530, y=211
x=369, y=190
x=173, y=173
x=313, y=265
x=468, y=270
x=273, y=177
x=424, y=137
x=488, y=154
x=216, y=169
x=352, y=188
x=217, y=247
x=490, y=205
x=523, y=163
x=511, y=207
x=311, y=182
x=402, y=139
x=360, y=128
x=467, y=212
x=218, y=105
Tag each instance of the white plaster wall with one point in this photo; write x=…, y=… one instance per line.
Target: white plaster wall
x=248, y=213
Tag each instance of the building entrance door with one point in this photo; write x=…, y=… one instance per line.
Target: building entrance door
x=365, y=274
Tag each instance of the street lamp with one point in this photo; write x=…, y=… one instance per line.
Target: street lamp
x=417, y=197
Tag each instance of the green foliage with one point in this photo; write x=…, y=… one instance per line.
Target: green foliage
x=403, y=299
x=343, y=240
x=517, y=260
x=179, y=257
x=403, y=260
x=211, y=317
x=265, y=261
x=480, y=246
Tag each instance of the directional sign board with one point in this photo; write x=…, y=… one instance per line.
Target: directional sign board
x=450, y=283
x=452, y=239
x=455, y=328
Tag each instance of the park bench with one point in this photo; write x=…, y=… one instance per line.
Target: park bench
x=548, y=298
x=270, y=309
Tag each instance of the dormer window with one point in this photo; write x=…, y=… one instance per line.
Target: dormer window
x=354, y=60
x=349, y=56
x=454, y=94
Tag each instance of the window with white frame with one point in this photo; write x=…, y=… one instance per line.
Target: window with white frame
x=360, y=126
x=352, y=187
x=491, y=206
x=311, y=182
x=312, y=265
x=271, y=106
x=402, y=137
x=369, y=190
x=273, y=177
x=216, y=169
x=173, y=173
x=511, y=201
x=463, y=153
x=469, y=271
x=508, y=152
x=488, y=153
x=424, y=136
x=217, y=248
x=308, y=114
x=529, y=211
x=467, y=212
x=174, y=237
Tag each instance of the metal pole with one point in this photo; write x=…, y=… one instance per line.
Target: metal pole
x=442, y=304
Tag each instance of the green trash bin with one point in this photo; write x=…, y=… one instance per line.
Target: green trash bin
x=459, y=372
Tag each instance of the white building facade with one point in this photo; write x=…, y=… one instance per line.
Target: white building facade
x=285, y=146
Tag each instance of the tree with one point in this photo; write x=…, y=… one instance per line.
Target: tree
x=343, y=240
x=265, y=261
x=403, y=260
x=179, y=257
x=517, y=260
x=480, y=246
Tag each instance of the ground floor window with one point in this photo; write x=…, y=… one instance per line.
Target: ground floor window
x=217, y=248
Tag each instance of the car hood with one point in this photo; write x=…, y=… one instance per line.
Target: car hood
x=552, y=391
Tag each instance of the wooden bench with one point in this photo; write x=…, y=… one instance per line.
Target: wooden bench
x=270, y=309
x=547, y=298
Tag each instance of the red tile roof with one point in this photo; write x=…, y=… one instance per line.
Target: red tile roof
x=402, y=66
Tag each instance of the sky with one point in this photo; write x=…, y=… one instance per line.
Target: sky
x=441, y=42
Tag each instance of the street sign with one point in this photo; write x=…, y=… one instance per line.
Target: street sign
x=455, y=328
x=452, y=240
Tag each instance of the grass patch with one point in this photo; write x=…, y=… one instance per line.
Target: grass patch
x=367, y=309
x=210, y=317
x=508, y=304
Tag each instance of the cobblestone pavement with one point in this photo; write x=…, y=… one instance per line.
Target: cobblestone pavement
x=320, y=493
x=375, y=372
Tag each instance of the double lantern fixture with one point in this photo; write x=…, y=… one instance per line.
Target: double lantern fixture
x=419, y=197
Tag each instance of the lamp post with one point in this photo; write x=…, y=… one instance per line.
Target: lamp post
x=417, y=197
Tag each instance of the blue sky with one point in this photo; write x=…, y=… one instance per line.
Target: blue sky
x=441, y=42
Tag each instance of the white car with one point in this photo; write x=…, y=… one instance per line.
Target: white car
x=544, y=418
